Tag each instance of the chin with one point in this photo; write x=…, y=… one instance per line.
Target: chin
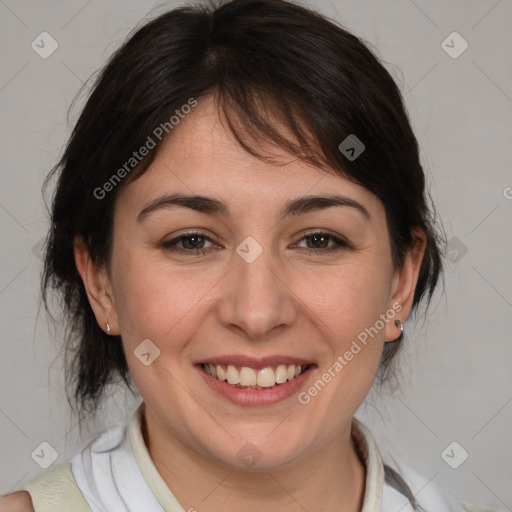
x=258, y=452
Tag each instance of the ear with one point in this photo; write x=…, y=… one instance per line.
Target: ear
x=404, y=283
x=97, y=286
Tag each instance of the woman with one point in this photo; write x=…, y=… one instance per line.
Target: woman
x=239, y=231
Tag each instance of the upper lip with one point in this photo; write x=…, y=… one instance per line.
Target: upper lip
x=255, y=362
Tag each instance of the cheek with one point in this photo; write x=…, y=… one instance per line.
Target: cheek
x=348, y=303
x=161, y=305
x=349, y=298
x=152, y=301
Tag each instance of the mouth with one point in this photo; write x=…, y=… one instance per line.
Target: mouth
x=261, y=378
x=255, y=381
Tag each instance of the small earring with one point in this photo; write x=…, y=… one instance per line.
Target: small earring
x=400, y=325
x=108, y=328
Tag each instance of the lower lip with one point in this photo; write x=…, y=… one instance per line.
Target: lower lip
x=254, y=397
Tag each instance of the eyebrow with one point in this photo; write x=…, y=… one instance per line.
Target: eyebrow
x=212, y=206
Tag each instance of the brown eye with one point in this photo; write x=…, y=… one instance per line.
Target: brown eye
x=317, y=243
x=191, y=243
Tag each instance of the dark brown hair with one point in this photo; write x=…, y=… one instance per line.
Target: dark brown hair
x=264, y=60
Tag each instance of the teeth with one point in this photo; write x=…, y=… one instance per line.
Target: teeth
x=233, y=375
x=266, y=378
x=281, y=374
x=248, y=377
x=221, y=374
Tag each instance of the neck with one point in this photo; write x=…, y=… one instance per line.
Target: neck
x=333, y=478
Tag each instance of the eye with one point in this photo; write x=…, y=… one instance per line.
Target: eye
x=318, y=242
x=191, y=243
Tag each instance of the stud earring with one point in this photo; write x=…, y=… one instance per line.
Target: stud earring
x=108, y=328
x=400, y=325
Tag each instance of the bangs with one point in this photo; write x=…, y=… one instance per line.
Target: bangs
x=262, y=123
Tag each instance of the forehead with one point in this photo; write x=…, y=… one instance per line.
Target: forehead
x=204, y=141
x=203, y=157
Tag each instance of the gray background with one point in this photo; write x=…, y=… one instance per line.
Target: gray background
x=456, y=378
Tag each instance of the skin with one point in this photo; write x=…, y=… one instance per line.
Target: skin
x=285, y=302
x=17, y=502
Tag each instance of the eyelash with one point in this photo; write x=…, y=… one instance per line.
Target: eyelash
x=340, y=244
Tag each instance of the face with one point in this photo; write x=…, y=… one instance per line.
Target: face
x=243, y=285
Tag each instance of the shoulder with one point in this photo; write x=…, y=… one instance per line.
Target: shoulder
x=54, y=491
x=19, y=501
x=429, y=495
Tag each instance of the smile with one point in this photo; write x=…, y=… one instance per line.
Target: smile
x=245, y=377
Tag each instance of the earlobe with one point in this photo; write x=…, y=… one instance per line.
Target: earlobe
x=97, y=286
x=404, y=283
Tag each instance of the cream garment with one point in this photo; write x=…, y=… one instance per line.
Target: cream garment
x=115, y=473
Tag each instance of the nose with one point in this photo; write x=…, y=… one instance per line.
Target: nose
x=256, y=298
